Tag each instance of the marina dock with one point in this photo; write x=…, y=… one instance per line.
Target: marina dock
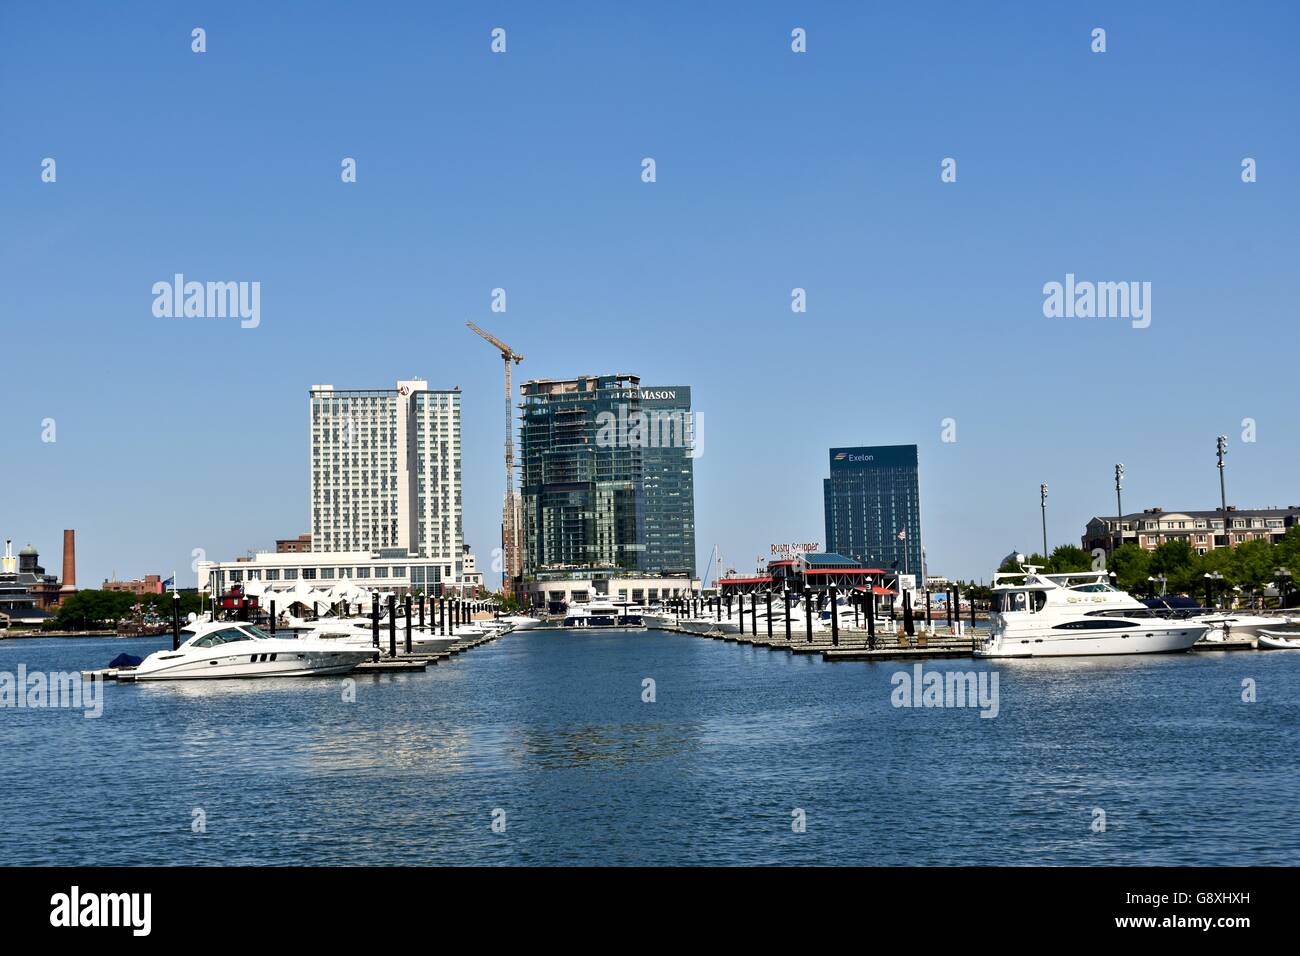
x=854, y=644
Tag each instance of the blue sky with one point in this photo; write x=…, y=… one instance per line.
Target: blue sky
x=522, y=171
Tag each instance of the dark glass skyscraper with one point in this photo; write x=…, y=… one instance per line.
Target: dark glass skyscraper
x=669, y=479
x=582, y=482
x=871, y=496
x=608, y=479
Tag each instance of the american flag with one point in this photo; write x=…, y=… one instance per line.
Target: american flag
x=902, y=534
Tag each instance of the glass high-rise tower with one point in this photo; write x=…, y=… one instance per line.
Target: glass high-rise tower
x=581, y=485
x=873, y=507
x=668, y=470
x=608, y=478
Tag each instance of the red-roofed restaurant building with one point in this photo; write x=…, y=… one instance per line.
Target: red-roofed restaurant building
x=817, y=572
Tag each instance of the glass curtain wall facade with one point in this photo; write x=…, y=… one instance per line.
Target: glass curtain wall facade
x=669, y=478
x=581, y=486
x=872, y=494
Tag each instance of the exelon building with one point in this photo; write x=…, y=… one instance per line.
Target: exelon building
x=872, y=497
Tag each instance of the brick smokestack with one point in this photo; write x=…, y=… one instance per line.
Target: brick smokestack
x=69, y=562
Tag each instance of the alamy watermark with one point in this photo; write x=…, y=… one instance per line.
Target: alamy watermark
x=128, y=910
x=920, y=688
x=626, y=427
x=1098, y=300
x=208, y=300
x=66, y=690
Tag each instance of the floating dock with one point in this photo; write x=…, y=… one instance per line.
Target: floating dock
x=854, y=643
x=889, y=645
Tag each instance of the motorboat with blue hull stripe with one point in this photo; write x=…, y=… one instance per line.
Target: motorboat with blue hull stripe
x=1076, y=615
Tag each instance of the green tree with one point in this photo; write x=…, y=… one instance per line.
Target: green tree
x=161, y=604
x=1132, y=566
x=86, y=610
x=1177, y=563
x=1067, y=558
x=1253, y=564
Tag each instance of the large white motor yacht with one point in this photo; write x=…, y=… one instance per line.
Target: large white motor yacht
x=239, y=649
x=1079, y=614
x=603, y=614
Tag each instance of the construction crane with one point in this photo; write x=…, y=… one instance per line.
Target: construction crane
x=511, y=555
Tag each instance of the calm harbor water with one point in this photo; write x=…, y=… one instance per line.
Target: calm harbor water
x=551, y=729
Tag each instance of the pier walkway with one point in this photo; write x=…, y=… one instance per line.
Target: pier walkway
x=854, y=643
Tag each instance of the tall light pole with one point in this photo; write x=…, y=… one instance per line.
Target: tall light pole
x=1119, y=506
x=1042, y=503
x=1222, y=445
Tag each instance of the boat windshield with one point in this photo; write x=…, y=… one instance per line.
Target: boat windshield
x=1019, y=600
x=1094, y=587
x=226, y=635
x=257, y=632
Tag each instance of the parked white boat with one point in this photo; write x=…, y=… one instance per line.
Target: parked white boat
x=237, y=649
x=1279, y=640
x=519, y=622
x=603, y=614
x=1082, y=614
x=1228, y=625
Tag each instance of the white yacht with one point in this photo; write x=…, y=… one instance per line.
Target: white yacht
x=519, y=622
x=1079, y=614
x=239, y=649
x=359, y=632
x=603, y=614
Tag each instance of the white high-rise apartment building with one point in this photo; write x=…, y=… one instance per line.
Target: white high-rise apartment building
x=385, y=472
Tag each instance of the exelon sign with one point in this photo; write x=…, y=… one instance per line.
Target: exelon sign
x=878, y=456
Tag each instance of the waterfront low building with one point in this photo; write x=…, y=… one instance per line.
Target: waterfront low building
x=1202, y=530
x=816, y=571
x=387, y=570
x=27, y=593
x=149, y=584
x=471, y=577
x=558, y=591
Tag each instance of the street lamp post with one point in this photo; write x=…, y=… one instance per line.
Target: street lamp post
x=1213, y=580
x=1042, y=503
x=1221, y=444
x=1283, y=577
x=1119, y=506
